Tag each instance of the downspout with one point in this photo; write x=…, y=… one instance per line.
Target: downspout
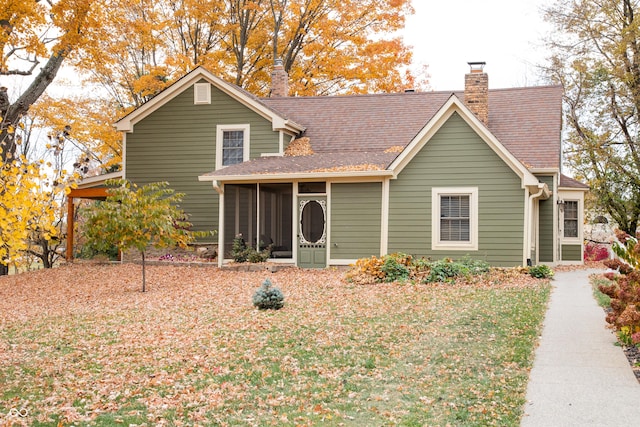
x=220, y=191
x=530, y=221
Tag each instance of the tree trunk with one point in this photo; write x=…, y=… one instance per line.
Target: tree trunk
x=15, y=111
x=144, y=280
x=4, y=270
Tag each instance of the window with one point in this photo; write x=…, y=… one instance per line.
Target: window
x=232, y=145
x=571, y=218
x=455, y=219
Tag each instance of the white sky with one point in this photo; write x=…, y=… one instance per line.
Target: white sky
x=506, y=34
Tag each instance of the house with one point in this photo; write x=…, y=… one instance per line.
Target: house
x=327, y=180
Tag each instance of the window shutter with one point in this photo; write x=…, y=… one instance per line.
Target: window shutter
x=202, y=93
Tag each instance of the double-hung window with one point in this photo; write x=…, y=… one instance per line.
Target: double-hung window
x=571, y=218
x=455, y=218
x=232, y=145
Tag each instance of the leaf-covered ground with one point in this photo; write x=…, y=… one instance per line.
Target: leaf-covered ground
x=81, y=345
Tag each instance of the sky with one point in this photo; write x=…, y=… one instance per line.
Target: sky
x=506, y=34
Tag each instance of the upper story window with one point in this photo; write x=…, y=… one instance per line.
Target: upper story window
x=571, y=218
x=232, y=145
x=455, y=218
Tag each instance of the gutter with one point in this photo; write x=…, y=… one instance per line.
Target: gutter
x=296, y=176
x=529, y=222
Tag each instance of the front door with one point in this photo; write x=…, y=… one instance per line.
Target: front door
x=312, y=232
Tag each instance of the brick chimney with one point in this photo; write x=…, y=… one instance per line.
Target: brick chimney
x=279, y=80
x=476, y=91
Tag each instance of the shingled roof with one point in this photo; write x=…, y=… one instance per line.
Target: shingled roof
x=363, y=131
x=527, y=121
x=568, y=182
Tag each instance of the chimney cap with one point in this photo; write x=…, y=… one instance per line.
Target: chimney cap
x=477, y=67
x=278, y=62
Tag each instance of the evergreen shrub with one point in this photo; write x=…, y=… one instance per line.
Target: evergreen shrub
x=268, y=297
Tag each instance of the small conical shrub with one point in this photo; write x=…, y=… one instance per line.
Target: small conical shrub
x=267, y=297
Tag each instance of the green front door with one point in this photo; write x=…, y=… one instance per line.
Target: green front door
x=312, y=232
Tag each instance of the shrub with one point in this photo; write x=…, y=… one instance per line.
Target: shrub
x=444, y=270
x=400, y=267
x=540, y=271
x=475, y=266
x=624, y=289
x=240, y=252
x=268, y=297
x=595, y=252
x=89, y=251
x=396, y=267
x=239, y=249
x=367, y=271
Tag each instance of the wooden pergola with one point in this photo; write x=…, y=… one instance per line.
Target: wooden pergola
x=92, y=188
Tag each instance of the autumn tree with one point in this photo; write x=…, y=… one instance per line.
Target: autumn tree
x=596, y=57
x=327, y=46
x=138, y=217
x=36, y=38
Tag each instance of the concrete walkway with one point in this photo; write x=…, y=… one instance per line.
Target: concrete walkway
x=579, y=378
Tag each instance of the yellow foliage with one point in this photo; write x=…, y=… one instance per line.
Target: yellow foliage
x=26, y=208
x=366, y=271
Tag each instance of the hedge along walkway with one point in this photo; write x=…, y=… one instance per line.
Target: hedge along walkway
x=579, y=377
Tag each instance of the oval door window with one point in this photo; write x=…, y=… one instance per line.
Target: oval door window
x=312, y=221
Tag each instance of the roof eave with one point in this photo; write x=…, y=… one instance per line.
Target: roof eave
x=574, y=189
x=297, y=176
x=126, y=123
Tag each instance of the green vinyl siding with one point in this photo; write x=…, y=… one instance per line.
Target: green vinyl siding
x=571, y=253
x=545, y=224
x=356, y=211
x=176, y=143
x=457, y=157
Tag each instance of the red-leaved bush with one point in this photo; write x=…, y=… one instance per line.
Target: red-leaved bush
x=624, y=289
x=595, y=252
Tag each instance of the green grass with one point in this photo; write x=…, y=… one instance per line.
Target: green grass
x=338, y=354
x=603, y=300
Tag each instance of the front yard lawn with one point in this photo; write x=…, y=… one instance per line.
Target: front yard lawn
x=81, y=345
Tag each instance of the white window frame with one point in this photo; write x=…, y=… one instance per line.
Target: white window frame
x=577, y=220
x=221, y=129
x=572, y=240
x=436, y=243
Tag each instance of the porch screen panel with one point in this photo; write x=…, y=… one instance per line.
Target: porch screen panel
x=240, y=215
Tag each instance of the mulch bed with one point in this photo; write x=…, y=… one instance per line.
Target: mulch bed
x=633, y=356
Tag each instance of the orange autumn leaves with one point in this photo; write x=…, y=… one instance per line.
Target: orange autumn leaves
x=81, y=344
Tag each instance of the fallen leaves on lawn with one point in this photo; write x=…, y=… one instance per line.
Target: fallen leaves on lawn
x=81, y=344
